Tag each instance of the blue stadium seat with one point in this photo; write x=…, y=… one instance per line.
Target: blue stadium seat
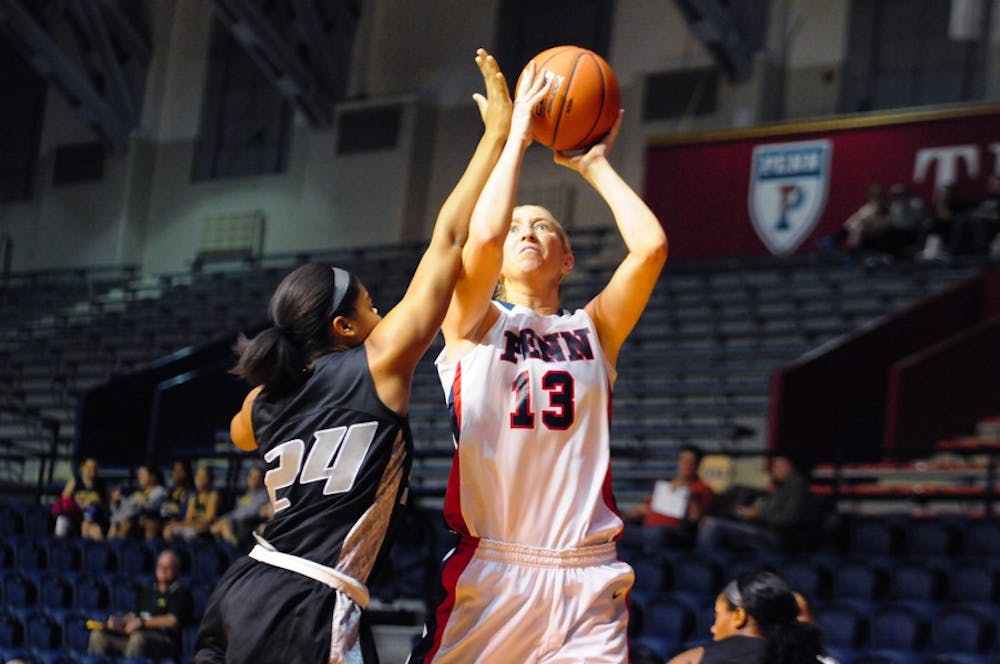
x=961, y=658
x=200, y=594
x=98, y=557
x=76, y=635
x=858, y=580
x=973, y=581
x=64, y=555
x=957, y=629
x=11, y=522
x=897, y=627
x=931, y=537
x=697, y=575
x=55, y=591
x=652, y=578
x=982, y=539
x=124, y=592
x=669, y=618
x=134, y=557
x=886, y=657
x=208, y=561
x=53, y=657
x=19, y=589
x=845, y=626
x=879, y=536
x=92, y=592
x=35, y=517
x=915, y=581
x=11, y=628
x=30, y=554
x=42, y=631
x=811, y=580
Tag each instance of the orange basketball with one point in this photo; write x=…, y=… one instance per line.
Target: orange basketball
x=582, y=103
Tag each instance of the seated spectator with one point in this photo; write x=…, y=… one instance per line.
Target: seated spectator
x=951, y=231
x=906, y=222
x=766, y=523
x=756, y=622
x=864, y=227
x=153, y=629
x=678, y=505
x=172, y=509
x=145, y=501
x=202, y=508
x=987, y=215
x=81, y=508
x=236, y=525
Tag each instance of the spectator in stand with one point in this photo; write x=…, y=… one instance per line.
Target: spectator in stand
x=987, y=215
x=174, y=506
x=769, y=521
x=677, y=506
x=153, y=629
x=951, y=231
x=756, y=621
x=144, y=501
x=236, y=525
x=906, y=221
x=202, y=508
x=82, y=507
x=866, y=230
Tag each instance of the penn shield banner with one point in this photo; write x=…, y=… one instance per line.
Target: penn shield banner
x=778, y=189
x=788, y=184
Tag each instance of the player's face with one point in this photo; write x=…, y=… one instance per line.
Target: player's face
x=535, y=243
x=366, y=314
x=687, y=466
x=726, y=619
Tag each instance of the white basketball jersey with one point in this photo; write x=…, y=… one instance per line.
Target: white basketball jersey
x=530, y=413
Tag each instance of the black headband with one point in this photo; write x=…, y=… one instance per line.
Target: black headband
x=341, y=282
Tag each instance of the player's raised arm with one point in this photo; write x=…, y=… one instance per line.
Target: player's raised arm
x=617, y=308
x=482, y=256
x=402, y=337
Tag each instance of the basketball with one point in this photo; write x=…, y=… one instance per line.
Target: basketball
x=583, y=102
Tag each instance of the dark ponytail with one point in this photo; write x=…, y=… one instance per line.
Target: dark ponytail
x=770, y=602
x=301, y=309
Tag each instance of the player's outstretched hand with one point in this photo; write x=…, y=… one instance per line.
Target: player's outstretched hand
x=495, y=107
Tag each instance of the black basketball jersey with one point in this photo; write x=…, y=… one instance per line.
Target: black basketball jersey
x=338, y=463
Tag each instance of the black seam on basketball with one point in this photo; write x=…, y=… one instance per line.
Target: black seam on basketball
x=568, y=83
x=600, y=114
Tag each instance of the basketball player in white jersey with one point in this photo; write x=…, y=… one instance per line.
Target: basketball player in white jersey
x=535, y=576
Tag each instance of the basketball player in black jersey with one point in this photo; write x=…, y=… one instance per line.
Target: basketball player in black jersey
x=328, y=415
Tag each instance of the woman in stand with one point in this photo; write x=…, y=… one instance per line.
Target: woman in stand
x=328, y=415
x=535, y=576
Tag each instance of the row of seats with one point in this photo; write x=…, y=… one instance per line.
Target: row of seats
x=672, y=623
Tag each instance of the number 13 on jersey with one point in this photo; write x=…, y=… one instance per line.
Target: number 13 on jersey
x=559, y=390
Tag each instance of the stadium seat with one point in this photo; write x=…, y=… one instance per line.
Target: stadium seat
x=19, y=589
x=124, y=592
x=76, y=635
x=6, y=553
x=42, y=631
x=29, y=554
x=652, y=578
x=200, y=594
x=877, y=657
x=859, y=581
x=91, y=592
x=932, y=537
x=982, y=539
x=670, y=618
x=813, y=581
x=11, y=629
x=208, y=562
x=134, y=557
x=876, y=536
x=961, y=630
x=697, y=575
x=64, y=555
x=98, y=557
x=973, y=581
x=55, y=591
x=897, y=627
x=844, y=625
x=961, y=658
x=915, y=581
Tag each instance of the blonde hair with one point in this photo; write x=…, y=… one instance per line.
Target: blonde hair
x=500, y=292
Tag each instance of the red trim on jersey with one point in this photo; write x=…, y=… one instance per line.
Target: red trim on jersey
x=453, y=494
x=453, y=569
x=606, y=491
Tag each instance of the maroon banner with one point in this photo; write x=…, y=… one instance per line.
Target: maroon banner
x=778, y=189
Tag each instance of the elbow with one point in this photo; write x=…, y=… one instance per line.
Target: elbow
x=657, y=251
